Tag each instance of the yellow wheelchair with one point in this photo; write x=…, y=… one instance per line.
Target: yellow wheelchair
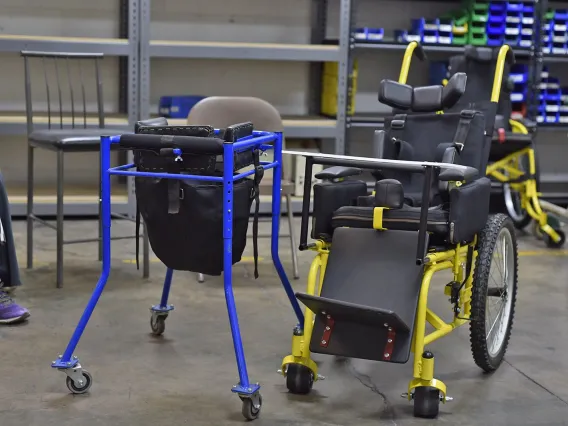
x=368, y=285
x=512, y=157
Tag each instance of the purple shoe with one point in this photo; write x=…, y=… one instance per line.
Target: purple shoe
x=10, y=311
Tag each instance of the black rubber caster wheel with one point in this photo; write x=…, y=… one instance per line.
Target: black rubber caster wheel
x=426, y=402
x=299, y=379
x=87, y=382
x=552, y=244
x=158, y=324
x=251, y=406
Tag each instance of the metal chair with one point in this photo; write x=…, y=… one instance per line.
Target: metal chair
x=223, y=111
x=63, y=137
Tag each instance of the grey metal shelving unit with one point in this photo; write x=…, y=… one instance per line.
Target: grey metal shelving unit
x=15, y=123
x=312, y=126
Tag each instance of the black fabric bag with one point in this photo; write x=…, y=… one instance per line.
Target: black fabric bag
x=192, y=238
x=184, y=218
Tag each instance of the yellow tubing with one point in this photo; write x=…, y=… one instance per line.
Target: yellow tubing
x=403, y=77
x=499, y=69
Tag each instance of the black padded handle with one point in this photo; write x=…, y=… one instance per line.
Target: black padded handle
x=188, y=144
x=420, y=53
x=237, y=131
x=510, y=58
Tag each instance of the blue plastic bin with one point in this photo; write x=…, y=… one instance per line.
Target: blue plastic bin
x=178, y=106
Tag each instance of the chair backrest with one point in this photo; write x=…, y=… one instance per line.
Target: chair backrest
x=223, y=111
x=479, y=64
x=67, y=104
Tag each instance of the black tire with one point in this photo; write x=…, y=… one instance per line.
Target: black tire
x=158, y=324
x=299, y=379
x=497, y=225
x=249, y=411
x=426, y=402
x=550, y=243
x=88, y=379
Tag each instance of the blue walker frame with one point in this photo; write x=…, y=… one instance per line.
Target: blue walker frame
x=69, y=364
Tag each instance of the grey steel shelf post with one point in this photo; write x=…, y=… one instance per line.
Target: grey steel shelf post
x=318, y=17
x=345, y=69
x=141, y=85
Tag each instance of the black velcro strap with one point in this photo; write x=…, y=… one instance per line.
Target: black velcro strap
x=462, y=131
x=403, y=150
x=137, y=237
x=174, y=188
x=258, y=175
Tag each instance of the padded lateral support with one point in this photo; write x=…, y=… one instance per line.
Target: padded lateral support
x=423, y=99
x=371, y=284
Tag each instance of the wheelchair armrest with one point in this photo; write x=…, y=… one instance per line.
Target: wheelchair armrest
x=338, y=172
x=453, y=175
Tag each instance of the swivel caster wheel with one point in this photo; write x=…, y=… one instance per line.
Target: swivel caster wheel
x=158, y=324
x=555, y=244
x=299, y=379
x=426, y=402
x=251, y=406
x=87, y=381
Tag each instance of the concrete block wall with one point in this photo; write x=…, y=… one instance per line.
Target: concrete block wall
x=285, y=84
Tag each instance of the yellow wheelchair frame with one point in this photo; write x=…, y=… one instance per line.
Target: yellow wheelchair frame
x=454, y=259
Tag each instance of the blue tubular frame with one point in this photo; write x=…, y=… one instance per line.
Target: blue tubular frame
x=259, y=140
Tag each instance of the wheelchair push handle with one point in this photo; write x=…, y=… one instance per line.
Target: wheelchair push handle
x=187, y=144
x=505, y=56
x=414, y=48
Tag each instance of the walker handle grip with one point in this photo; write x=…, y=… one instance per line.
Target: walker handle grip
x=188, y=144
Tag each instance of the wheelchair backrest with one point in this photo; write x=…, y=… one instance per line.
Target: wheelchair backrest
x=424, y=136
x=479, y=63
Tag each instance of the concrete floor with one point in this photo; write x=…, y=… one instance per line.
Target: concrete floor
x=185, y=376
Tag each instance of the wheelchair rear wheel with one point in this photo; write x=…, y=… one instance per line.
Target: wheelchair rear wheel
x=494, y=292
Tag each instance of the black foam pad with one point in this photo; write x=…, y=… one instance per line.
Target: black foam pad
x=338, y=172
x=389, y=193
x=395, y=95
x=425, y=98
x=453, y=91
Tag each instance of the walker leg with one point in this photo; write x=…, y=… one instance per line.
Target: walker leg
x=276, y=210
x=200, y=278
x=160, y=312
x=79, y=380
x=248, y=392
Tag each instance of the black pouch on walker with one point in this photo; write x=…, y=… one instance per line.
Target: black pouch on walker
x=184, y=217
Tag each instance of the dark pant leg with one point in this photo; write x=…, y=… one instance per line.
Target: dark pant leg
x=10, y=246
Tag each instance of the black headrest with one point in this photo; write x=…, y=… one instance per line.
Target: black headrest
x=422, y=99
x=486, y=54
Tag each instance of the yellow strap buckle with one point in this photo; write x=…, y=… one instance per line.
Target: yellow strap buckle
x=378, y=218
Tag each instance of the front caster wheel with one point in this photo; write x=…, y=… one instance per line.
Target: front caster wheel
x=555, y=244
x=158, y=324
x=251, y=406
x=426, y=402
x=299, y=379
x=87, y=380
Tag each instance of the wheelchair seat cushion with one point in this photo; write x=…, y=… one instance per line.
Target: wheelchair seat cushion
x=405, y=219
